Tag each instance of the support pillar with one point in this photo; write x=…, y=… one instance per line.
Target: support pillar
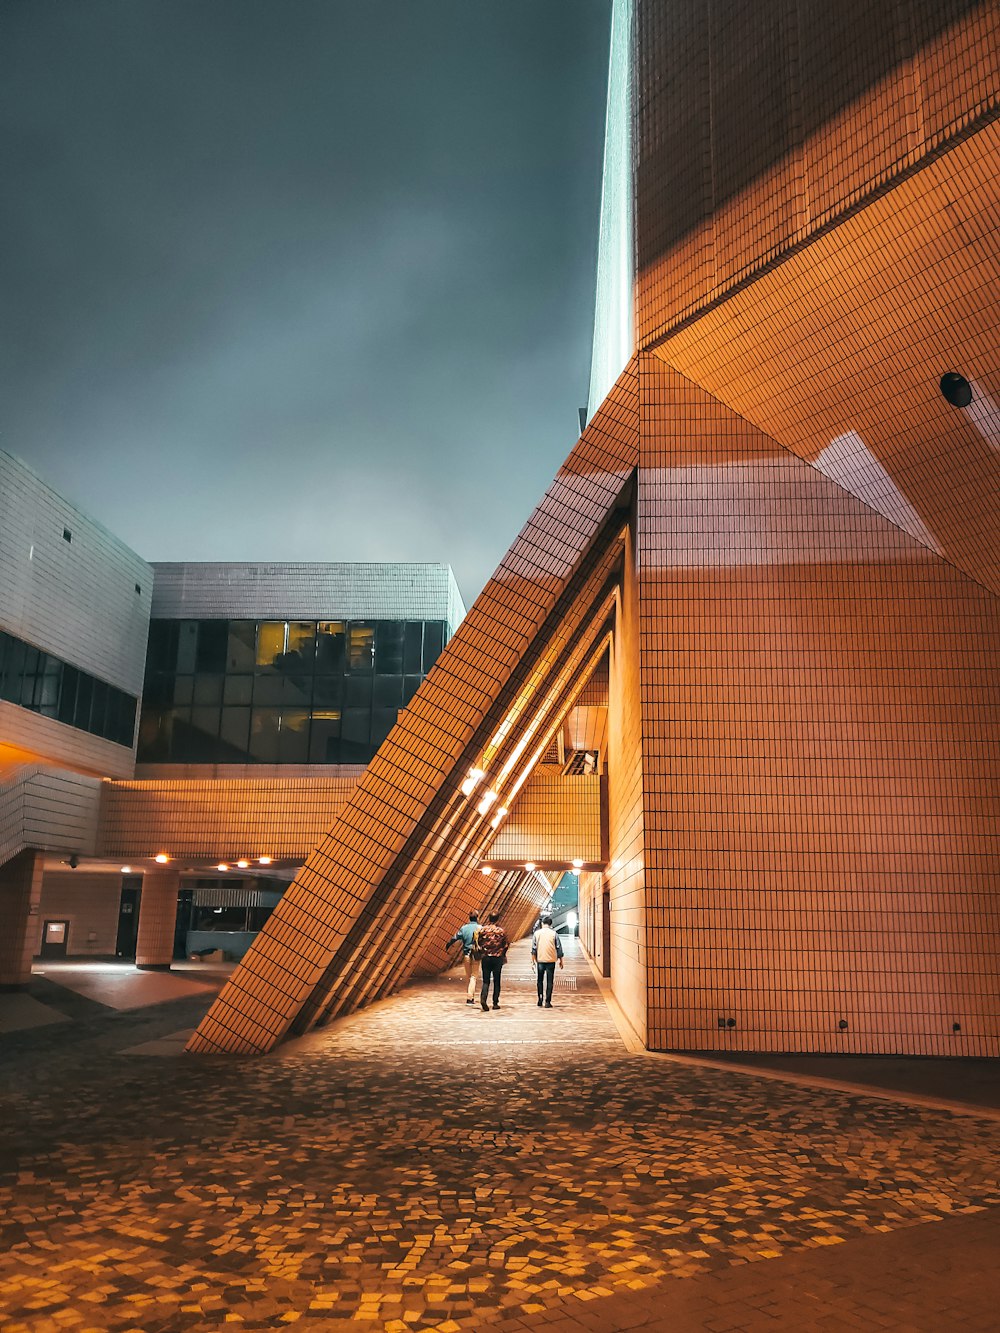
x=20, y=900
x=154, y=944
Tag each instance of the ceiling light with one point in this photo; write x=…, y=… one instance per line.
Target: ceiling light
x=577, y=865
x=486, y=870
x=126, y=870
x=264, y=860
x=222, y=866
x=243, y=864
x=529, y=865
x=161, y=858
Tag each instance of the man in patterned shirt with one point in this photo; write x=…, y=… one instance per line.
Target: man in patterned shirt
x=494, y=943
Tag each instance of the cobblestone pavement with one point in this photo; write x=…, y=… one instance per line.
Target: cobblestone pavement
x=425, y=1165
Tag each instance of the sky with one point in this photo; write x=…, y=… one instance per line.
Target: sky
x=300, y=279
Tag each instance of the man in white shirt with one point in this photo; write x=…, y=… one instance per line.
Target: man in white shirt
x=546, y=949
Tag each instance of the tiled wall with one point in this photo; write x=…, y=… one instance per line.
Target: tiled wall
x=89, y=902
x=208, y=590
x=554, y=817
x=760, y=123
x=821, y=749
x=76, y=598
x=220, y=818
x=48, y=808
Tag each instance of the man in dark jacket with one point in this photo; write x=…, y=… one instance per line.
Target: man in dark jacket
x=494, y=943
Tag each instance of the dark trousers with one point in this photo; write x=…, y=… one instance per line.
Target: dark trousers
x=492, y=968
x=546, y=972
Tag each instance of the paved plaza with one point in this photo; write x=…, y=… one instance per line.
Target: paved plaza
x=425, y=1165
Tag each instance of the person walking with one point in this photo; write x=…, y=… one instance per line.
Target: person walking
x=546, y=950
x=494, y=943
x=468, y=934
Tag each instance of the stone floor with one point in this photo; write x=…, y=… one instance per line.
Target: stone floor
x=424, y=1165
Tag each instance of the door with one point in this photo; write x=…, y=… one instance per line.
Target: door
x=606, y=933
x=128, y=917
x=55, y=937
x=182, y=922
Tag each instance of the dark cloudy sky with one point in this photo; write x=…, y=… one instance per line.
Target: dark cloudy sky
x=299, y=279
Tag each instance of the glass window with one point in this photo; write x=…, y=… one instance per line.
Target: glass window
x=235, y=729
x=158, y=691
x=203, y=744
x=413, y=636
x=151, y=747
x=293, y=736
x=410, y=686
x=358, y=692
x=360, y=647
x=383, y=721
x=301, y=649
x=98, y=707
x=328, y=691
x=330, y=648
x=292, y=691
x=433, y=642
x=67, y=695
x=14, y=671
x=237, y=690
x=213, y=645
x=355, y=736
x=264, y=735
x=29, y=670
x=187, y=645
x=388, y=692
x=207, y=690
x=183, y=689
x=161, y=652
x=84, y=697
x=324, y=739
x=270, y=642
x=47, y=690
x=4, y=645
x=241, y=652
x=389, y=647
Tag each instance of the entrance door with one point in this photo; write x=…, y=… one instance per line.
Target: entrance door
x=182, y=922
x=55, y=937
x=606, y=933
x=128, y=917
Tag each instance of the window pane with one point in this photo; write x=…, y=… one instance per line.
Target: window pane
x=187, y=645
x=270, y=642
x=158, y=690
x=324, y=742
x=203, y=746
x=183, y=689
x=410, y=686
x=4, y=644
x=383, y=721
x=236, y=729
x=98, y=707
x=126, y=720
x=29, y=671
x=328, y=691
x=301, y=648
x=388, y=692
x=12, y=676
x=412, y=642
x=237, y=690
x=47, y=692
x=207, y=690
x=358, y=692
x=360, y=647
x=161, y=653
x=84, y=695
x=241, y=651
x=293, y=736
x=355, y=743
x=330, y=651
x=213, y=645
x=389, y=647
x=67, y=695
x=152, y=743
x=293, y=692
x=433, y=642
x=264, y=735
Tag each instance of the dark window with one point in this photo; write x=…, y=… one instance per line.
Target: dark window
x=161, y=653
x=264, y=730
x=433, y=642
x=242, y=652
x=330, y=648
x=187, y=645
x=389, y=647
x=388, y=692
x=360, y=647
x=324, y=742
x=183, y=689
x=410, y=686
x=213, y=645
x=235, y=730
x=355, y=736
x=237, y=690
x=383, y=721
x=84, y=698
x=358, y=692
x=67, y=695
x=158, y=691
x=413, y=637
x=98, y=708
x=207, y=690
x=67, y=535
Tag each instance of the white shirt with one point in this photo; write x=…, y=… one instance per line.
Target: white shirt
x=545, y=945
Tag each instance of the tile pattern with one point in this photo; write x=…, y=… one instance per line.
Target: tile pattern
x=423, y=1165
x=821, y=743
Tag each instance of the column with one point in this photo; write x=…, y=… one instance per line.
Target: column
x=20, y=899
x=154, y=945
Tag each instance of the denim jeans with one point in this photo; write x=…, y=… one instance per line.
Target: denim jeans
x=546, y=972
x=492, y=967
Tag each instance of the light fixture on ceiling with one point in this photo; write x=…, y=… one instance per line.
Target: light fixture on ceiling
x=161, y=858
